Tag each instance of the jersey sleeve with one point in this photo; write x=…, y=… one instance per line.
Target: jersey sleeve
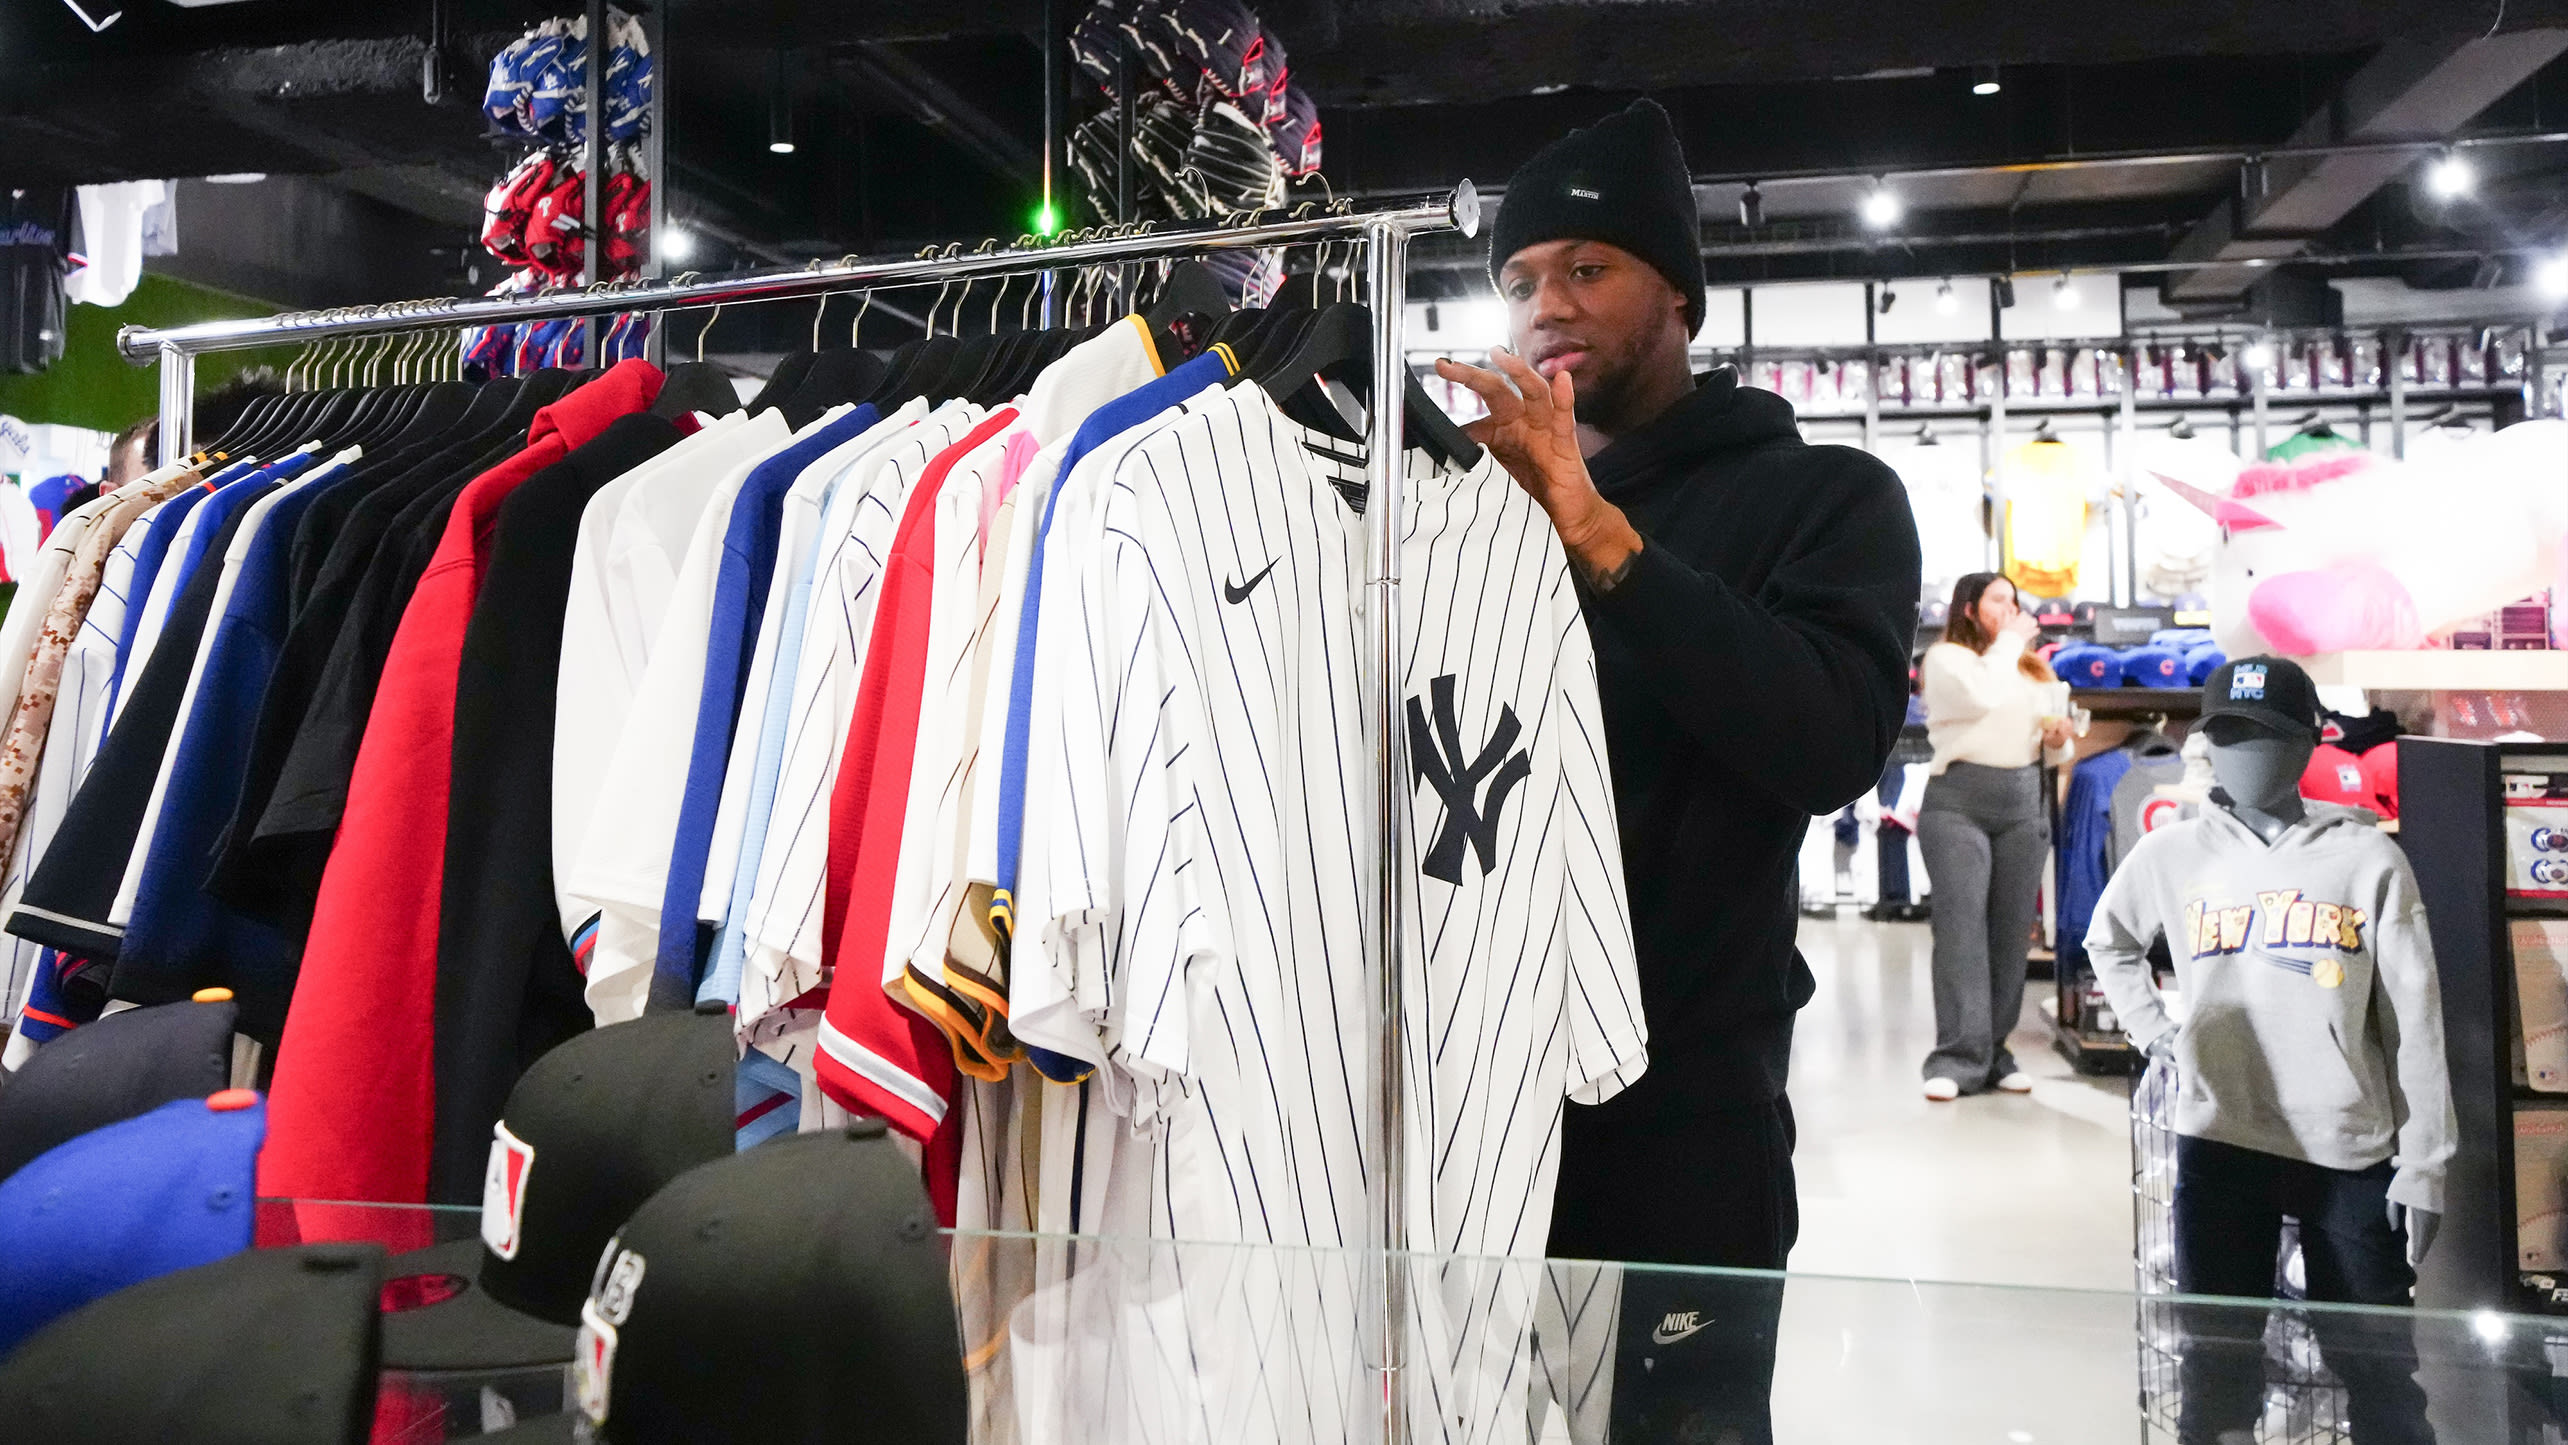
x=1609, y=1040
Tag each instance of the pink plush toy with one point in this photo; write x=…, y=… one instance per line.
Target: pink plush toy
x=2347, y=551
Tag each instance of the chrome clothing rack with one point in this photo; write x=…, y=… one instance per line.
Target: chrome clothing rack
x=1384, y=232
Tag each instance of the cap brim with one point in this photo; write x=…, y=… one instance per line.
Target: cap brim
x=469, y=1330
x=2272, y=719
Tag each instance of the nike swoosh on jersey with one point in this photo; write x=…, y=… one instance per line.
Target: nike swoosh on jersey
x=1663, y=1335
x=1238, y=592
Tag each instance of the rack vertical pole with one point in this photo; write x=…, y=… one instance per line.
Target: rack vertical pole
x=593, y=183
x=1055, y=41
x=2262, y=392
x=2394, y=347
x=1996, y=435
x=655, y=162
x=2127, y=362
x=1386, y=265
x=177, y=404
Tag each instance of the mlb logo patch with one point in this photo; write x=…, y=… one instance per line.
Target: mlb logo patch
x=2247, y=683
x=2349, y=777
x=593, y=1365
x=504, y=1190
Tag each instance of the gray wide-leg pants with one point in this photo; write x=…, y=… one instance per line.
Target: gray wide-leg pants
x=1982, y=831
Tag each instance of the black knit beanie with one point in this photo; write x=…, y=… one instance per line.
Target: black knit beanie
x=1622, y=181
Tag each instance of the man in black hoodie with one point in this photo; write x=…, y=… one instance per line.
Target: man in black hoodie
x=1753, y=601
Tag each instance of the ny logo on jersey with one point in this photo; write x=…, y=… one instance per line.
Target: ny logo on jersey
x=1436, y=755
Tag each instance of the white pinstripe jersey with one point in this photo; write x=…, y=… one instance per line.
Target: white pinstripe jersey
x=783, y=928
x=71, y=745
x=1522, y=995
x=1195, y=852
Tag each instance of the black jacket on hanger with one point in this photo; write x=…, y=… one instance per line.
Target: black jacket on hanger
x=507, y=990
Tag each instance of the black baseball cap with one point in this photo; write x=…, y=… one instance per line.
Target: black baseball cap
x=592, y=1129
x=121, y=1066
x=2271, y=691
x=794, y=1292
x=266, y=1347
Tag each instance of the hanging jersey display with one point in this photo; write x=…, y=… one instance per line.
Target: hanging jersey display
x=39, y=249
x=2046, y=518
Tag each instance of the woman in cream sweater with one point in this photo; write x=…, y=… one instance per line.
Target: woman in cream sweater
x=1993, y=711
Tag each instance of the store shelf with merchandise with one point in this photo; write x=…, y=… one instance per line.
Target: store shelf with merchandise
x=2496, y=960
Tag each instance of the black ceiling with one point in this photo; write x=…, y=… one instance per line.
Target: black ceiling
x=921, y=119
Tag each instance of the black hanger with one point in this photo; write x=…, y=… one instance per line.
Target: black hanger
x=1037, y=350
x=844, y=374
x=1192, y=290
x=991, y=384
x=252, y=420
x=913, y=364
x=2044, y=433
x=1340, y=338
x=443, y=405
x=781, y=382
x=696, y=386
x=276, y=423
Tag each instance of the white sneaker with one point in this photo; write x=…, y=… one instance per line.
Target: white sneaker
x=1943, y=1091
x=2018, y=1082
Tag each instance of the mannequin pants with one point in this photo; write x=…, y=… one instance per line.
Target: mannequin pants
x=2230, y=1205
x=1983, y=832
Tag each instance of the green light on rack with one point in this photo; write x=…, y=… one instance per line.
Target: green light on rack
x=1046, y=221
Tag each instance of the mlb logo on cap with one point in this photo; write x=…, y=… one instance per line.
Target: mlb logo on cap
x=2247, y=682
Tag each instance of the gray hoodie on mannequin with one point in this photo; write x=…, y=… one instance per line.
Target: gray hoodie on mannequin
x=2314, y=1026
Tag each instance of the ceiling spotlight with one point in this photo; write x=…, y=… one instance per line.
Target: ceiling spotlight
x=1881, y=208
x=2258, y=355
x=2551, y=277
x=1752, y=207
x=677, y=244
x=1946, y=303
x=2064, y=294
x=780, y=110
x=236, y=178
x=2004, y=286
x=2450, y=177
x=1889, y=298
x=1984, y=80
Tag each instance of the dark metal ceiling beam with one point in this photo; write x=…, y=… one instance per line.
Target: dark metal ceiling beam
x=2410, y=91
x=942, y=109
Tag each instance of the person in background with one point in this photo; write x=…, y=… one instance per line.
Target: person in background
x=136, y=449
x=1991, y=716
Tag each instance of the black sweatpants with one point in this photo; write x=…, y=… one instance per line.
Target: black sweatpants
x=1691, y=1166
x=2230, y=1205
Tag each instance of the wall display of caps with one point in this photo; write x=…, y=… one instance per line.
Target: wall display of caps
x=534, y=220
x=1218, y=128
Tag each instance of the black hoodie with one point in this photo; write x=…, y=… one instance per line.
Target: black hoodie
x=1753, y=671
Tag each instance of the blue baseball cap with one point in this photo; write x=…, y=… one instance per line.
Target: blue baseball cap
x=2083, y=664
x=164, y=1191
x=2203, y=661
x=2155, y=667
x=2180, y=638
